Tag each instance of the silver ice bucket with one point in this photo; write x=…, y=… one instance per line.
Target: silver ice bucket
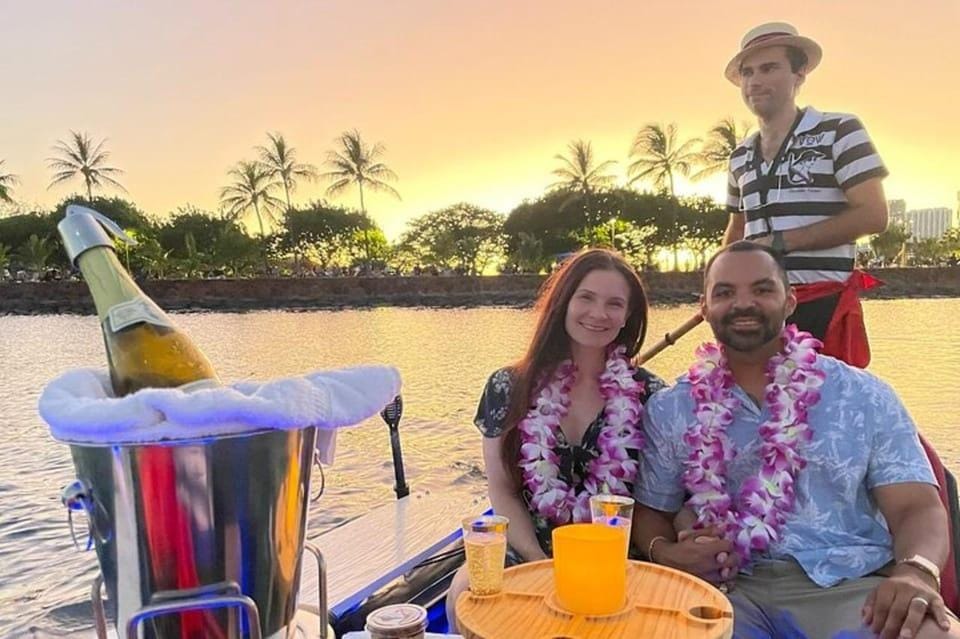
x=219, y=520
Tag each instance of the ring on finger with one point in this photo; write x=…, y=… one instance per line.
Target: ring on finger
x=921, y=600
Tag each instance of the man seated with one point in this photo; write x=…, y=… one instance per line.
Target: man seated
x=815, y=505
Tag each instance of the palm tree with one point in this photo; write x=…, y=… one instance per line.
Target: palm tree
x=577, y=171
x=80, y=156
x=251, y=190
x=357, y=163
x=281, y=161
x=659, y=156
x=721, y=141
x=35, y=253
x=7, y=180
x=528, y=255
x=578, y=174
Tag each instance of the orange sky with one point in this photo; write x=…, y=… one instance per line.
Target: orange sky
x=471, y=99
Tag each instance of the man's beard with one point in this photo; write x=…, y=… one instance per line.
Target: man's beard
x=747, y=341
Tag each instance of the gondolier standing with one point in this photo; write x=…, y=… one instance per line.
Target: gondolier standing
x=807, y=184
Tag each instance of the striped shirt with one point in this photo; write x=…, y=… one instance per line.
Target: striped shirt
x=824, y=155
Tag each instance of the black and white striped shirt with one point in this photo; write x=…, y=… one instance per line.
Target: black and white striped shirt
x=824, y=155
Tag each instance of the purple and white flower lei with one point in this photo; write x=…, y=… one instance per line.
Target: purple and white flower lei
x=613, y=468
x=755, y=519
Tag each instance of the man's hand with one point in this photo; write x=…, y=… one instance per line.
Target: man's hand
x=896, y=608
x=700, y=552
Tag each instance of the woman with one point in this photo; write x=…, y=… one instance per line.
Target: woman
x=564, y=422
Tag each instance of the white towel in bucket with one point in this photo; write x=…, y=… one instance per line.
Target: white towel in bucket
x=80, y=407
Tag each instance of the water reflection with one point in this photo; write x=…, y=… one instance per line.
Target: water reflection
x=444, y=357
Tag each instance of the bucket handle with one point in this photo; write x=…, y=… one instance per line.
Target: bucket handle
x=323, y=479
x=77, y=495
x=99, y=615
x=197, y=604
x=321, y=588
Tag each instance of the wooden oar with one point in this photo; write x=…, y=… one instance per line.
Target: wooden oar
x=669, y=339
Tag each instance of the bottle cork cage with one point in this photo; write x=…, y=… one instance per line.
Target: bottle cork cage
x=661, y=602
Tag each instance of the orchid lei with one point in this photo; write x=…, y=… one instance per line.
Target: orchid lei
x=553, y=498
x=753, y=521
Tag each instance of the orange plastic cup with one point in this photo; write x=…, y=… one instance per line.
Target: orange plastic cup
x=589, y=569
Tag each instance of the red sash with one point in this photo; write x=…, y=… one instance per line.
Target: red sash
x=846, y=337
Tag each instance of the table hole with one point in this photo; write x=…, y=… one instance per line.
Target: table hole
x=707, y=613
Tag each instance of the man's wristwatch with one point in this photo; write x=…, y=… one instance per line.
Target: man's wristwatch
x=923, y=564
x=777, y=243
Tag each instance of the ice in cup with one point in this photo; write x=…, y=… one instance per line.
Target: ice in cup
x=613, y=510
x=485, y=543
x=589, y=568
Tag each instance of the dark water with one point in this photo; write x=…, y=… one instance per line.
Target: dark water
x=444, y=357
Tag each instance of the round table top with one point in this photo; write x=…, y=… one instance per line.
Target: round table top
x=661, y=602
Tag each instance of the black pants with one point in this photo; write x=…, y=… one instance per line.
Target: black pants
x=814, y=316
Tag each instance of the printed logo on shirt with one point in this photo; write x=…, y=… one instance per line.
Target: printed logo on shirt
x=800, y=169
x=806, y=140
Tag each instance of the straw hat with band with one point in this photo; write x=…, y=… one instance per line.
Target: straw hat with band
x=773, y=34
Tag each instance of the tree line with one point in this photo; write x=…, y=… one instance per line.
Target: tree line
x=584, y=206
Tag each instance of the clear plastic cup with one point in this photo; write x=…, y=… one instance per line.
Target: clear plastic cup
x=485, y=543
x=613, y=510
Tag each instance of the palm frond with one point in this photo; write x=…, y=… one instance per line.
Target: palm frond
x=381, y=172
x=99, y=180
x=381, y=187
x=720, y=143
x=63, y=176
x=339, y=186
x=7, y=180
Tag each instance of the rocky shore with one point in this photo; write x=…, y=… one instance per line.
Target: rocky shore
x=33, y=298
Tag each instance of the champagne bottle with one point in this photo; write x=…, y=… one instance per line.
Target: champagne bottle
x=145, y=348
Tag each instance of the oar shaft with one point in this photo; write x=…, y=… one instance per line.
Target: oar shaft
x=400, y=486
x=669, y=339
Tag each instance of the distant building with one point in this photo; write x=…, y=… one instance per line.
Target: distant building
x=925, y=224
x=898, y=208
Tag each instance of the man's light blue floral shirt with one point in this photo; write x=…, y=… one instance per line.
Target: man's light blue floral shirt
x=863, y=438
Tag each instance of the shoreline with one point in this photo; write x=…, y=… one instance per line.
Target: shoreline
x=45, y=298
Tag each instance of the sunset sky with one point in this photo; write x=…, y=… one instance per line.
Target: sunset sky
x=471, y=99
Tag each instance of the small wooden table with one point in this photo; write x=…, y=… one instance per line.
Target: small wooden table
x=661, y=602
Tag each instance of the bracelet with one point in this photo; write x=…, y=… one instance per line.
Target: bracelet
x=924, y=565
x=650, y=547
